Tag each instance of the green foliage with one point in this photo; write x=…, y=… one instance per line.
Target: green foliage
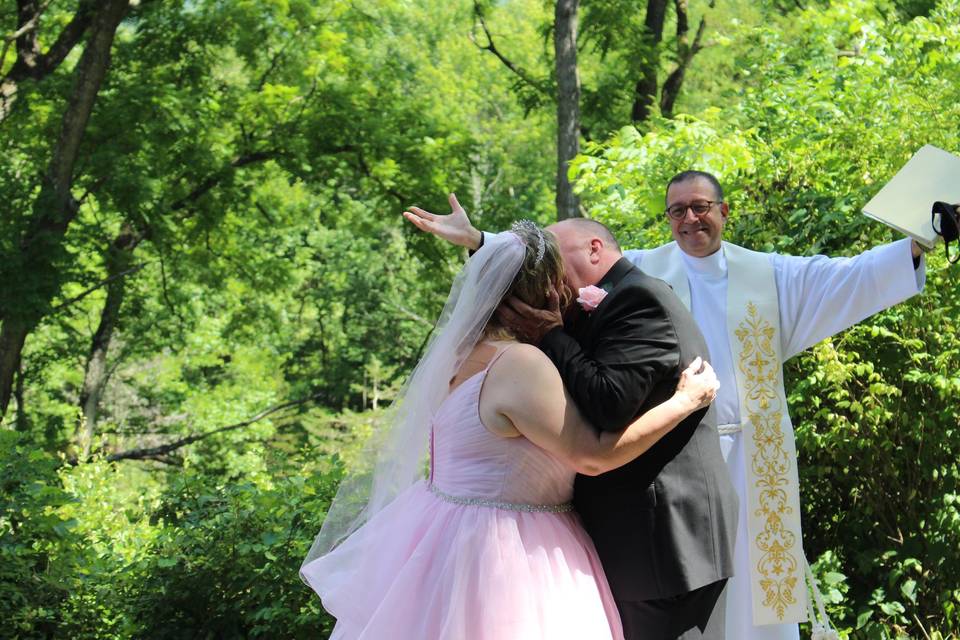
x=623, y=179
x=34, y=574
x=104, y=551
x=227, y=554
x=879, y=394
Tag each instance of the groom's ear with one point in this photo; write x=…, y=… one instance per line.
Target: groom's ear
x=596, y=249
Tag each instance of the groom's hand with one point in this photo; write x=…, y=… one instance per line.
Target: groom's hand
x=529, y=323
x=454, y=227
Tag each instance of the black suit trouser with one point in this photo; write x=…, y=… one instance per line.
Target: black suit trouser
x=698, y=614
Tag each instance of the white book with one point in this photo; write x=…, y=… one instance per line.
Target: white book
x=904, y=203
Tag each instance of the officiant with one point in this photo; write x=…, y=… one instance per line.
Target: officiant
x=757, y=310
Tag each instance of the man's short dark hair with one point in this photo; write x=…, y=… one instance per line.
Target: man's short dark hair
x=597, y=228
x=691, y=174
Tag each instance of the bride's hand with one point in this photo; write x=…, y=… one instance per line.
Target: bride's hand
x=698, y=384
x=454, y=227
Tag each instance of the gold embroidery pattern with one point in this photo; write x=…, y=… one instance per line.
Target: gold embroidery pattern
x=770, y=463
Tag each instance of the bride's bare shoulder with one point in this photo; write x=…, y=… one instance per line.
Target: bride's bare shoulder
x=522, y=352
x=522, y=360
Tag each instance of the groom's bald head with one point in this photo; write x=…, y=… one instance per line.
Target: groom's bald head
x=585, y=227
x=589, y=249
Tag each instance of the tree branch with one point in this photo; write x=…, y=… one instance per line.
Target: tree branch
x=239, y=266
x=215, y=179
x=30, y=62
x=67, y=40
x=66, y=303
x=28, y=45
x=492, y=48
x=367, y=171
x=685, y=54
x=162, y=450
x=28, y=20
x=275, y=60
x=411, y=314
x=166, y=295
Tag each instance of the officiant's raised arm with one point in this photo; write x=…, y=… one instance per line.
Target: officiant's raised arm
x=453, y=227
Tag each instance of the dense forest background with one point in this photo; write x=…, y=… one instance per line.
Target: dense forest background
x=208, y=294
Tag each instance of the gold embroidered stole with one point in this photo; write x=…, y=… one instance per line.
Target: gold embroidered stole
x=773, y=488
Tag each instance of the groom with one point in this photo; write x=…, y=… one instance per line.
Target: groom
x=664, y=524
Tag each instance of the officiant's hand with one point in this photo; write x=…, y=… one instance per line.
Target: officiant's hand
x=454, y=227
x=916, y=249
x=529, y=323
x=698, y=384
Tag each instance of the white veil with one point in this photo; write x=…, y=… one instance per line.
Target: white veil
x=399, y=446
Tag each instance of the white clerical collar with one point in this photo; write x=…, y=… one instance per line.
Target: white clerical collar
x=712, y=266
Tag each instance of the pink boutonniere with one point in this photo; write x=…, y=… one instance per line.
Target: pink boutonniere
x=591, y=297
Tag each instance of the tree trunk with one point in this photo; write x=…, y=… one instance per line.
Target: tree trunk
x=21, y=425
x=685, y=53
x=12, y=336
x=568, y=104
x=671, y=89
x=8, y=93
x=41, y=247
x=363, y=391
x=645, y=91
x=119, y=261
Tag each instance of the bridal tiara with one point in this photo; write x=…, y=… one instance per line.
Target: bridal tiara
x=530, y=226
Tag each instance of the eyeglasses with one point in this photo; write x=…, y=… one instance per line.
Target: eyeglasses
x=699, y=208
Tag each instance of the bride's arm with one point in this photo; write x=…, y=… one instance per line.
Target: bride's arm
x=526, y=390
x=601, y=451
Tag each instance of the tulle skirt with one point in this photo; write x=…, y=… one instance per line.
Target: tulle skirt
x=428, y=569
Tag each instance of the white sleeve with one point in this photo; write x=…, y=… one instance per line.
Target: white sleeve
x=635, y=256
x=822, y=296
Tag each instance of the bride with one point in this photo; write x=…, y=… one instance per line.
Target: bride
x=487, y=546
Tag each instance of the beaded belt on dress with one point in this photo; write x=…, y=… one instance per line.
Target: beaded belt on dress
x=509, y=506
x=729, y=429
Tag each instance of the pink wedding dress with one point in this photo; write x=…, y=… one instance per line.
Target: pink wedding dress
x=487, y=548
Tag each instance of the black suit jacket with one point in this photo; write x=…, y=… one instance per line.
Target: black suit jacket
x=665, y=523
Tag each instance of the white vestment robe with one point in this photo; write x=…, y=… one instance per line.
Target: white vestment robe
x=818, y=297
